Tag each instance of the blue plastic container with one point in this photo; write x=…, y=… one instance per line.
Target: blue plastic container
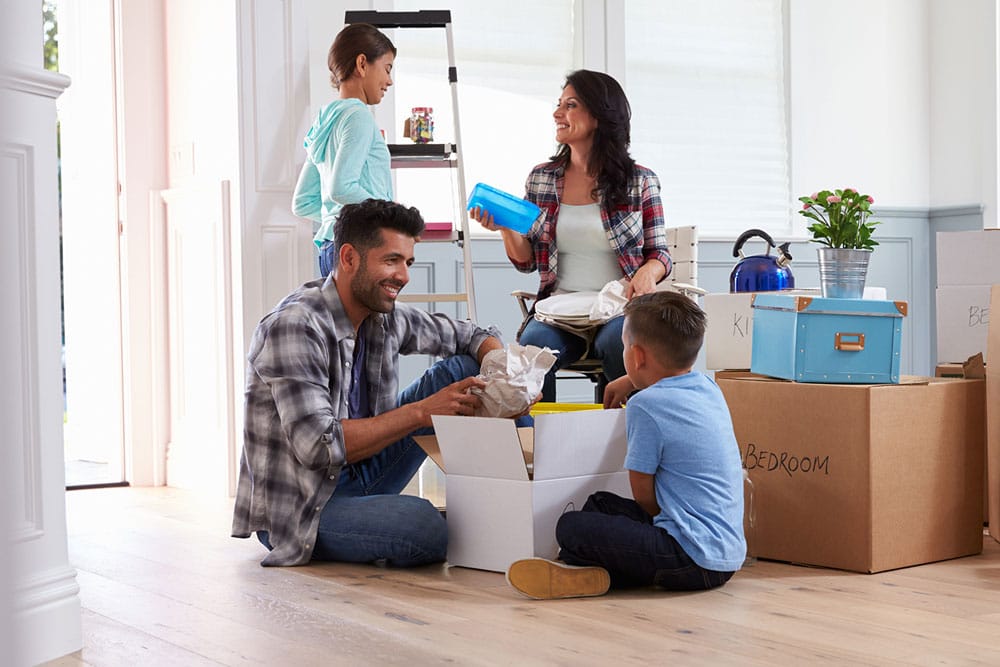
x=507, y=210
x=812, y=339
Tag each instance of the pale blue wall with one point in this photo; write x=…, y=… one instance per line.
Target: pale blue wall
x=904, y=263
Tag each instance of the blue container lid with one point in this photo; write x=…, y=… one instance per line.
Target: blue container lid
x=507, y=210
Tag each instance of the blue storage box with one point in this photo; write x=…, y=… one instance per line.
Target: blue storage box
x=507, y=210
x=812, y=339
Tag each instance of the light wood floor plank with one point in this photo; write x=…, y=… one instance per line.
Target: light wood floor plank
x=163, y=583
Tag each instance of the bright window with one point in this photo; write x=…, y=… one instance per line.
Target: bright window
x=512, y=59
x=705, y=81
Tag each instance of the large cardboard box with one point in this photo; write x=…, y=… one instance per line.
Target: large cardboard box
x=729, y=334
x=963, y=318
x=506, y=487
x=862, y=477
x=808, y=339
x=993, y=419
x=968, y=258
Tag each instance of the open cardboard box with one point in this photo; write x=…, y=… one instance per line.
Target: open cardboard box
x=862, y=477
x=506, y=487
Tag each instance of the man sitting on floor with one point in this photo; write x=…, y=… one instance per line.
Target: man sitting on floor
x=328, y=444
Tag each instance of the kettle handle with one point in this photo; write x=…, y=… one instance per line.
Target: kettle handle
x=749, y=234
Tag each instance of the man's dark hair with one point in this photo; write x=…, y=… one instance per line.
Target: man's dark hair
x=361, y=224
x=668, y=324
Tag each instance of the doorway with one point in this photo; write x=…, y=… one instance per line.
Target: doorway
x=81, y=42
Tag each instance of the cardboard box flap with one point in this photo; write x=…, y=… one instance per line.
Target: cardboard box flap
x=579, y=443
x=480, y=447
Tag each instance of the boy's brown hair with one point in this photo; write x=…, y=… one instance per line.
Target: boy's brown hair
x=670, y=325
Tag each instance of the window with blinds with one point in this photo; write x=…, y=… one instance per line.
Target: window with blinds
x=706, y=85
x=512, y=58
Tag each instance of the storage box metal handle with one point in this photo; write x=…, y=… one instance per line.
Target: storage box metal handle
x=849, y=342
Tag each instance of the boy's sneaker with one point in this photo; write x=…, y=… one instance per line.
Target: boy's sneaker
x=548, y=580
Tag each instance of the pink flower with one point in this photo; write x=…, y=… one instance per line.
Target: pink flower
x=870, y=200
x=814, y=195
x=833, y=199
x=806, y=207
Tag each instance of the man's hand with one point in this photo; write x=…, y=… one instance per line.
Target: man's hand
x=617, y=391
x=455, y=399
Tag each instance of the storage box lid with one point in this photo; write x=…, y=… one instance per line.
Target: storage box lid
x=809, y=304
x=565, y=445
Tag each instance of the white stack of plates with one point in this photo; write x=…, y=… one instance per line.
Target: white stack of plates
x=572, y=308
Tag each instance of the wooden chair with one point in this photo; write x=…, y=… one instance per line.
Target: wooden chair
x=683, y=245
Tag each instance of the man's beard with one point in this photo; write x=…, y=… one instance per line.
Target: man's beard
x=370, y=293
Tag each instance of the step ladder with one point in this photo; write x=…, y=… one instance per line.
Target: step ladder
x=431, y=155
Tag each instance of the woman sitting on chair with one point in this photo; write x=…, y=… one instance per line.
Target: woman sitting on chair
x=609, y=217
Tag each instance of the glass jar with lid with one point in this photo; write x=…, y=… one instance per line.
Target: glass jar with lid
x=422, y=125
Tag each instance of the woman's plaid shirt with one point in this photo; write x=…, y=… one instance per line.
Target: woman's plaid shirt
x=636, y=230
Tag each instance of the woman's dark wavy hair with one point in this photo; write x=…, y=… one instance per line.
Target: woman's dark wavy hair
x=609, y=158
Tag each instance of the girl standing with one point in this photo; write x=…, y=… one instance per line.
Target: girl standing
x=347, y=160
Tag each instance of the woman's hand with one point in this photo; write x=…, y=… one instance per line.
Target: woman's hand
x=517, y=245
x=645, y=279
x=484, y=218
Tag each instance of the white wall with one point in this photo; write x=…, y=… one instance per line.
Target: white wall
x=896, y=98
x=963, y=105
x=42, y=585
x=859, y=98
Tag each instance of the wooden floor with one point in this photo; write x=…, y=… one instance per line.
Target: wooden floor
x=162, y=583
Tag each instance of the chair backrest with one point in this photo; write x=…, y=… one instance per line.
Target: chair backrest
x=683, y=245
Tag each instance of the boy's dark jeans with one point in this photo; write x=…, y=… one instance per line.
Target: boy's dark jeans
x=618, y=535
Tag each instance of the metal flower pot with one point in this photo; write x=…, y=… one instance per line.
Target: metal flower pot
x=842, y=272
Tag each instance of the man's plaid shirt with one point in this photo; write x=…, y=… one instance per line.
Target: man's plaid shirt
x=636, y=231
x=298, y=381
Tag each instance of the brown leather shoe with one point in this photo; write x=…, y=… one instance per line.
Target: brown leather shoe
x=549, y=580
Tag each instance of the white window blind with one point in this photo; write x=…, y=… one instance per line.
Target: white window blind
x=512, y=59
x=705, y=81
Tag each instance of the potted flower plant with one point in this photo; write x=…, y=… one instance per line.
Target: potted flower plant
x=841, y=224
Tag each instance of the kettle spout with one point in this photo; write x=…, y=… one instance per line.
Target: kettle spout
x=784, y=256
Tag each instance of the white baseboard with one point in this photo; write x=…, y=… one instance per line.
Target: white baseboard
x=47, y=616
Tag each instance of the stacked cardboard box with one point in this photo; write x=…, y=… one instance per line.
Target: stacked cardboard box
x=862, y=477
x=967, y=264
x=993, y=418
x=729, y=336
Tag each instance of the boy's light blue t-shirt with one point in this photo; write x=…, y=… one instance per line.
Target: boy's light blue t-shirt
x=680, y=431
x=347, y=161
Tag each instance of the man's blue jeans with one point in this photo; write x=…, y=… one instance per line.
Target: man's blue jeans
x=617, y=534
x=367, y=520
x=607, y=347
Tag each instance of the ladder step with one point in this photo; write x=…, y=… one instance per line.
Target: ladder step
x=425, y=18
x=429, y=298
x=441, y=151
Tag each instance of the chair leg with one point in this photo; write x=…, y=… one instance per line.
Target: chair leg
x=600, y=384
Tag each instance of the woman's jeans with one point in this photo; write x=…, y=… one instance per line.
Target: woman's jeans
x=607, y=347
x=367, y=520
x=617, y=534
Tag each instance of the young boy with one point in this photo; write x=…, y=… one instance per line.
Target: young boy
x=684, y=530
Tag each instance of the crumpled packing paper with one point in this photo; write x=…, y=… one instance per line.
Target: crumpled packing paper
x=610, y=302
x=514, y=376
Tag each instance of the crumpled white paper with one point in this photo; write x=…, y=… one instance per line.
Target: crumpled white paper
x=514, y=376
x=610, y=302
